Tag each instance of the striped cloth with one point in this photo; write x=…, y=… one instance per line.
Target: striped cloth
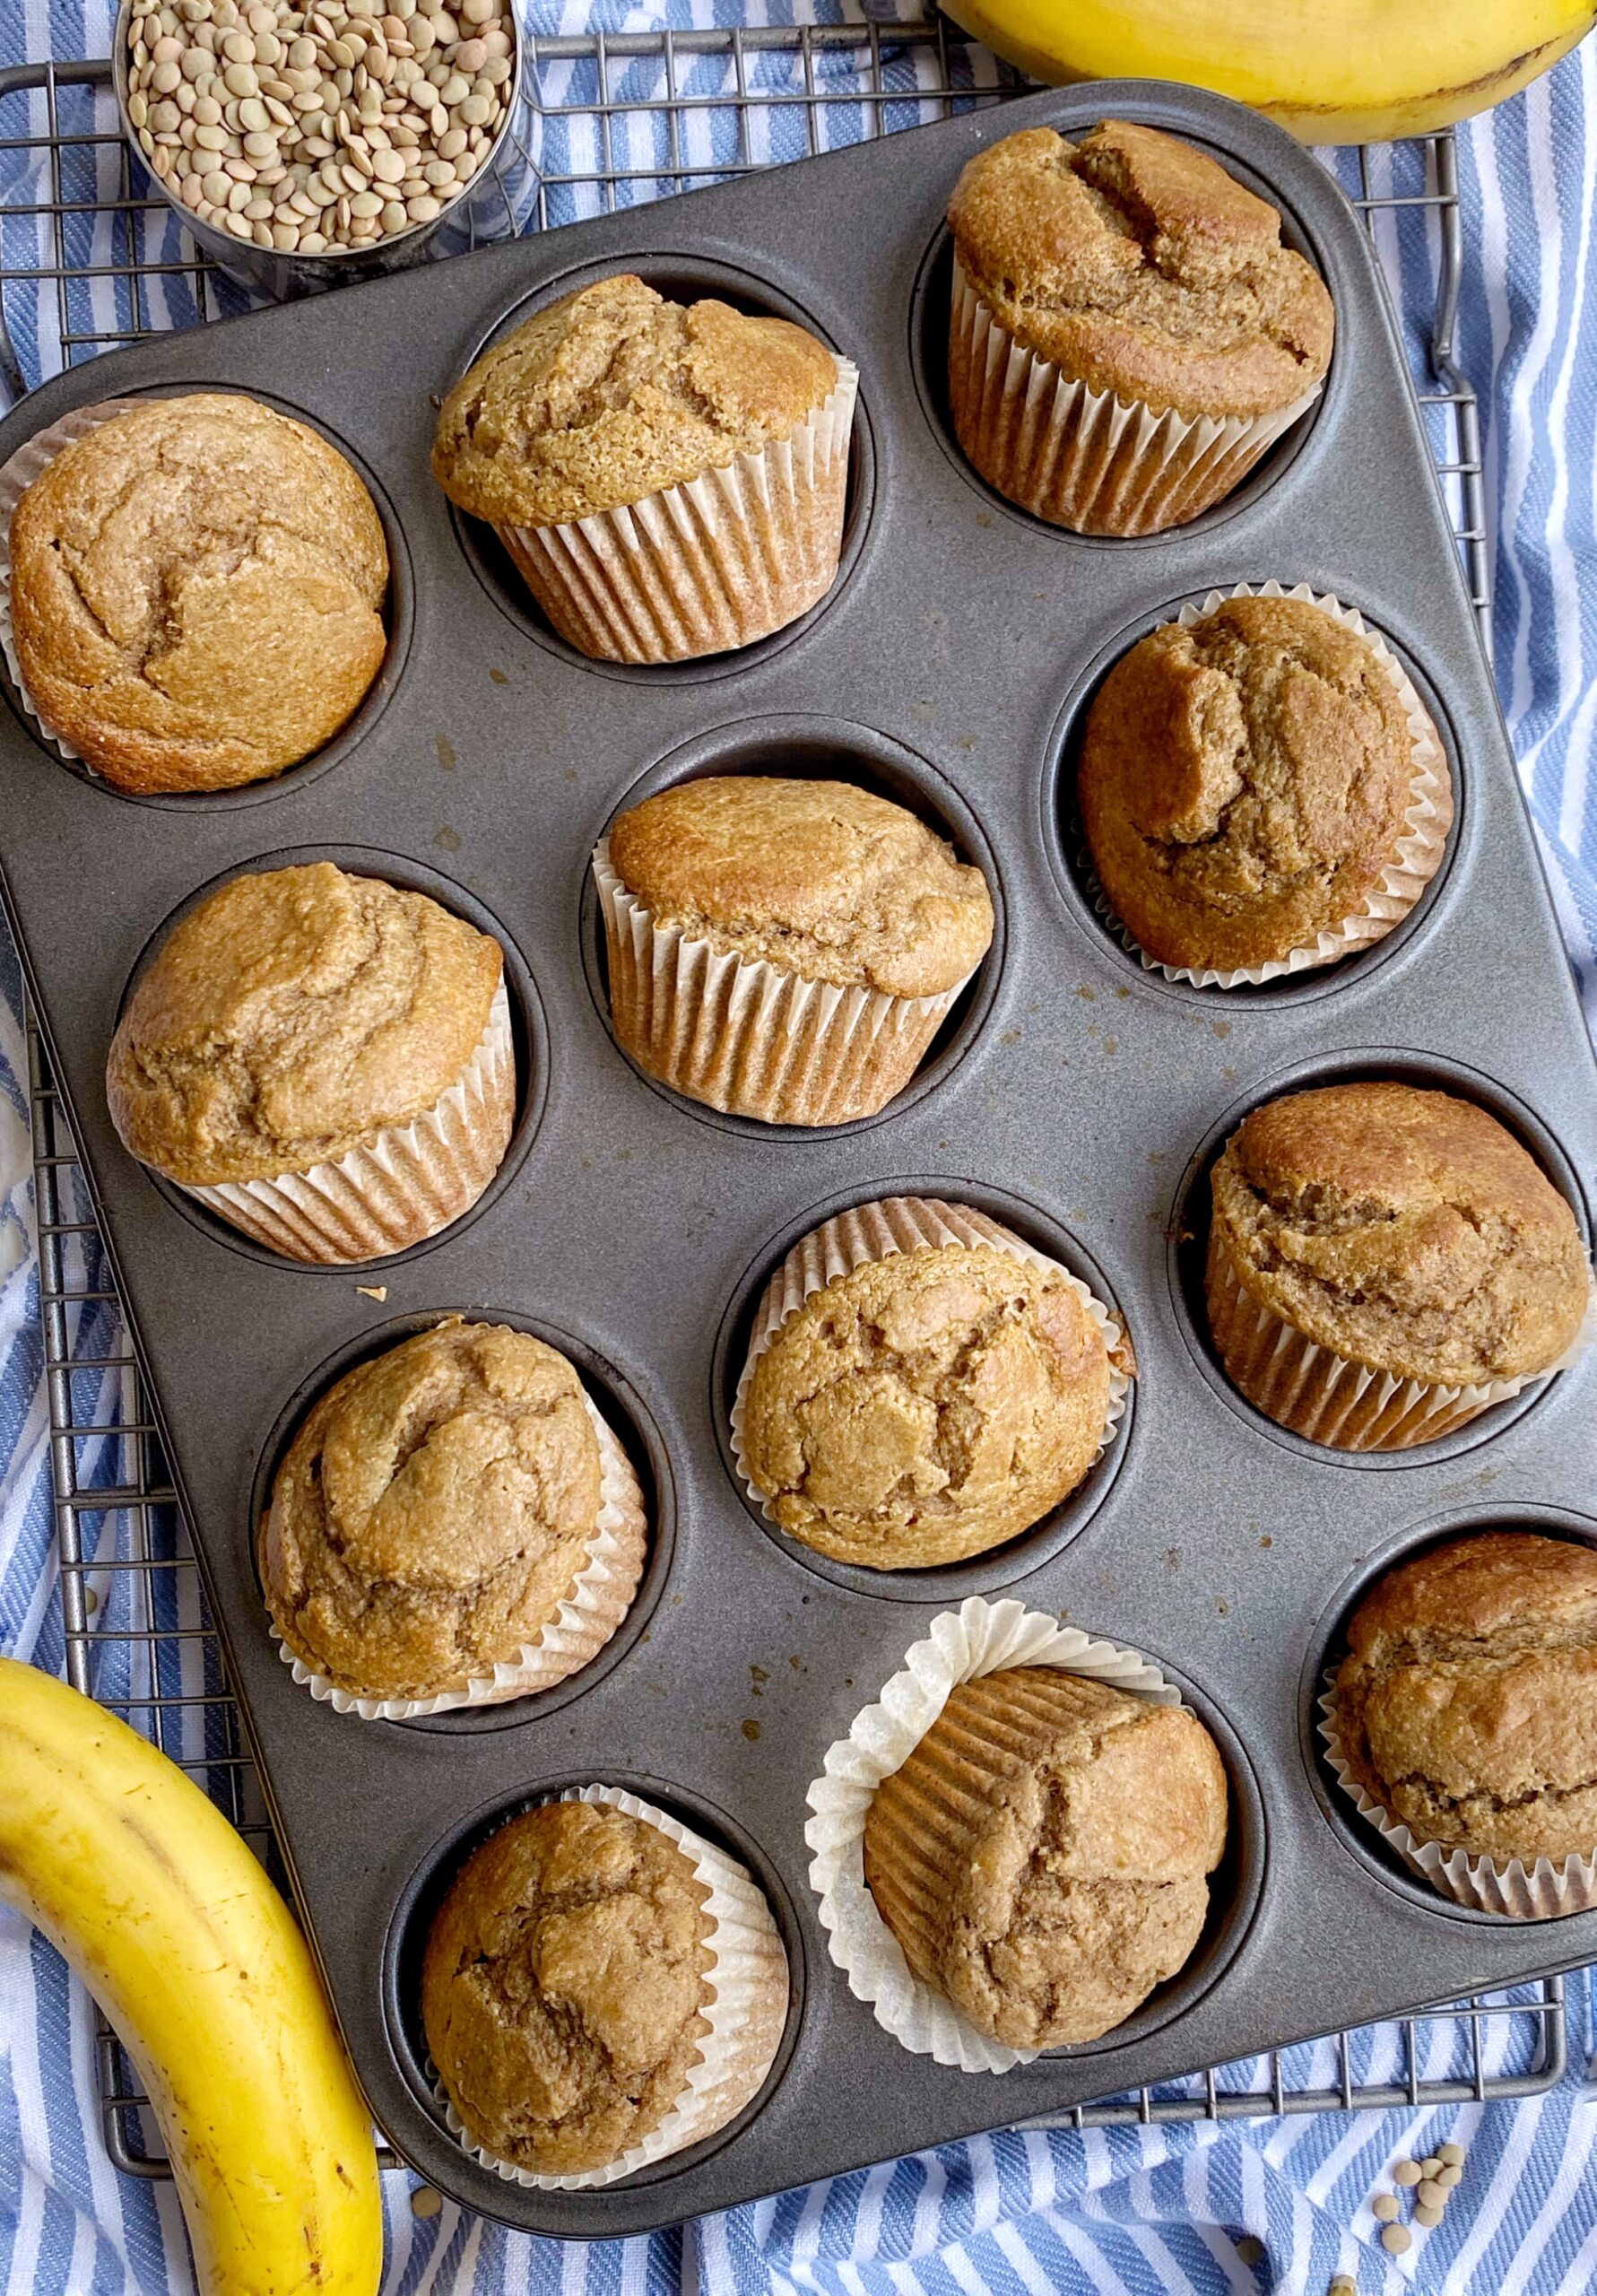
x=1134, y=2212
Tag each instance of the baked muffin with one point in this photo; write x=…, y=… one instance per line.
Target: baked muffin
x=921, y=1386
x=1258, y=792
x=669, y=479
x=431, y=1520
x=1466, y=1706
x=197, y=592
x=1128, y=334
x=1042, y=1857
x=585, y=1962
x=1384, y=1263
x=784, y=949
x=326, y=1060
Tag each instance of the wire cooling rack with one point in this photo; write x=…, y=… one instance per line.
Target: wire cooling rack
x=91, y=258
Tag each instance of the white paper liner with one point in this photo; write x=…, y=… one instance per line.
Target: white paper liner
x=30, y=460
x=747, y=1037
x=1323, y=1396
x=404, y=1185
x=600, y=1596
x=708, y=565
x=1084, y=459
x=980, y=1638
x=1416, y=857
x=749, y=1972
x=1521, y=1894
x=874, y=1231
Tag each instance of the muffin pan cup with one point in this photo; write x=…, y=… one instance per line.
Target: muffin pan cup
x=629, y=1218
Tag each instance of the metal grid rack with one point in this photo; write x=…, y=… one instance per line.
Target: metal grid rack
x=91, y=258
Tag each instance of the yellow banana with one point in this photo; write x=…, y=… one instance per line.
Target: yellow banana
x=1332, y=71
x=162, y=1909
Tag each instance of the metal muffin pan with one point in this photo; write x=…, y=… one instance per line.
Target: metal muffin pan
x=1075, y=1095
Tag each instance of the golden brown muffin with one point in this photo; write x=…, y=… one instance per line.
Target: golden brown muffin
x=1137, y=265
x=613, y=393
x=926, y=1406
x=197, y=592
x=1042, y=1855
x=1245, y=783
x=820, y=878
x=1405, y=1231
x=563, y=1986
x=432, y=1513
x=290, y=1015
x=1467, y=1703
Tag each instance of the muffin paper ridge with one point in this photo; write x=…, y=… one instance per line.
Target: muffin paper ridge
x=711, y=564
x=1534, y=1894
x=980, y=1638
x=1332, y=1400
x=746, y=2015
x=600, y=1595
x=31, y=459
x=876, y=1231
x=744, y=1035
x=1417, y=854
x=1087, y=460
x=397, y=1188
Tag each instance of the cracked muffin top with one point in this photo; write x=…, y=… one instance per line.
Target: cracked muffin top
x=1245, y=781
x=613, y=393
x=1042, y=1857
x=1140, y=266
x=1467, y=1703
x=197, y=592
x=926, y=1406
x=1403, y=1230
x=825, y=880
x=291, y=1014
x=432, y=1513
x=563, y=1986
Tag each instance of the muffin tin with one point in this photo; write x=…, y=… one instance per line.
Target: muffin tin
x=1075, y=1096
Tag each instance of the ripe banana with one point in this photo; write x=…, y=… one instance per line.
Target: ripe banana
x=1332, y=71
x=162, y=1909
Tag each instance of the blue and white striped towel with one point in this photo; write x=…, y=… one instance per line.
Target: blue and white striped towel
x=1131, y=2211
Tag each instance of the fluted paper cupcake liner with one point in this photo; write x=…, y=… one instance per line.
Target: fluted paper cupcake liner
x=1416, y=856
x=398, y=1188
x=980, y=1638
x=746, y=2017
x=1331, y=1400
x=600, y=1598
x=31, y=461
x=708, y=565
x=874, y=1231
x=1085, y=459
x=1524, y=1894
x=746, y=1036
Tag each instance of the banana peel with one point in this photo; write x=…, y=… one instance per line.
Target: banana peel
x=1332, y=70
x=162, y=1910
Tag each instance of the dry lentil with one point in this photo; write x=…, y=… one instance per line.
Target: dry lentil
x=1407, y=2173
x=369, y=116
x=1397, y=2240
x=1451, y=2156
x=1383, y=2208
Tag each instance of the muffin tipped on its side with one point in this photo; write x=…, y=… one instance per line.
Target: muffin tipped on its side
x=1042, y=1857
